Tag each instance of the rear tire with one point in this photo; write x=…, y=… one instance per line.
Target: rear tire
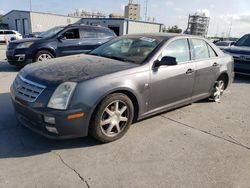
x=43, y=55
x=112, y=118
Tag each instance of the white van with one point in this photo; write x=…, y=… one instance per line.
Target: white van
x=9, y=34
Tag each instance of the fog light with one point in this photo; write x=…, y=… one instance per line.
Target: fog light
x=50, y=120
x=52, y=129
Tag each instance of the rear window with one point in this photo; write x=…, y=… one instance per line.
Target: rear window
x=87, y=33
x=9, y=32
x=104, y=33
x=200, y=49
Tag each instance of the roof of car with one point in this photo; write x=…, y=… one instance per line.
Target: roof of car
x=160, y=36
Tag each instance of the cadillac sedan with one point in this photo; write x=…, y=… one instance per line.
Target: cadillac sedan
x=127, y=79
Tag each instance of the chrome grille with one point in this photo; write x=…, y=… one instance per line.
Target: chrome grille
x=27, y=90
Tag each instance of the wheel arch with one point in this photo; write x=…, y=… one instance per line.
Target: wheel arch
x=126, y=91
x=225, y=76
x=51, y=50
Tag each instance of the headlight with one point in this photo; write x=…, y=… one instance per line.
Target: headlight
x=62, y=95
x=24, y=45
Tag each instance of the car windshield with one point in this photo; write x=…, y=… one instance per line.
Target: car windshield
x=134, y=49
x=243, y=41
x=51, y=32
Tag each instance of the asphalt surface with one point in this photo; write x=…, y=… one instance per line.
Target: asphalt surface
x=205, y=144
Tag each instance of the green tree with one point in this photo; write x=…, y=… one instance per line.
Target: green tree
x=1, y=20
x=173, y=29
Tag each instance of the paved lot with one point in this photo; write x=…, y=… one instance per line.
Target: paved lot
x=201, y=145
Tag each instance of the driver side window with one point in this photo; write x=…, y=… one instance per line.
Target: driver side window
x=178, y=49
x=72, y=34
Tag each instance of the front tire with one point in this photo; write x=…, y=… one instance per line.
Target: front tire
x=43, y=55
x=112, y=118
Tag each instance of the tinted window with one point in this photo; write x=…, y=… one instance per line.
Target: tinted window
x=200, y=50
x=104, y=34
x=1, y=32
x=87, y=33
x=9, y=32
x=211, y=51
x=243, y=41
x=72, y=34
x=178, y=49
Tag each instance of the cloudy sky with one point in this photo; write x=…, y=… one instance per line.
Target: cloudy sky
x=223, y=13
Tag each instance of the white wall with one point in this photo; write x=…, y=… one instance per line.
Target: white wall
x=43, y=22
x=11, y=18
x=141, y=27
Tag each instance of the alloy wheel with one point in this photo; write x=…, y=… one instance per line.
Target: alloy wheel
x=44, y=57
x=114, y=118
x=219, y=89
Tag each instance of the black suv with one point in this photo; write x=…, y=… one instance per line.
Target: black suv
x=57, y=42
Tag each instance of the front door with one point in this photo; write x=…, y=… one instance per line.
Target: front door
x=172, y=85
x=69, y=43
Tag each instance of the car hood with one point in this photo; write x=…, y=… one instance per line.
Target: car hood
x=27, y=40
x=238, y=50
x=75, y=68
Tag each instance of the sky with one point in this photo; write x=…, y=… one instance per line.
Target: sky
x=223, y=13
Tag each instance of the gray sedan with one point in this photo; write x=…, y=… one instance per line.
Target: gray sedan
x=127, y=79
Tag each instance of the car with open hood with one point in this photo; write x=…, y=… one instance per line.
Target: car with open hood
x=127, y=79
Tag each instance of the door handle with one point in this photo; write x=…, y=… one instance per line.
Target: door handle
x=190, y=71
x=215, y=64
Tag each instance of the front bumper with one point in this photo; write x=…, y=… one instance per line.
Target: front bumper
x=34, y=120
x=19, y=57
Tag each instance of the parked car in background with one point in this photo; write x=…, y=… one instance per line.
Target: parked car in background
x=241, y=54
x=224, y=44
x=128, y=78
x=57, y=42
x=9, y=35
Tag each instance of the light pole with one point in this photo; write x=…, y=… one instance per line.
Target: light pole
x=146, y=10
x=30, y=5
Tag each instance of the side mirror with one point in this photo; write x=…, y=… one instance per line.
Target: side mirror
x=61, y=37
x=233, y=43
x=167, y=61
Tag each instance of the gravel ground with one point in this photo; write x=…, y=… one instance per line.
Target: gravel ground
x=201, y=145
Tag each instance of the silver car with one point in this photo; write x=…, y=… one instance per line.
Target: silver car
x=127, y=79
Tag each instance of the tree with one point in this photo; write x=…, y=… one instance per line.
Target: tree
x=173, y=29
x=1, y=20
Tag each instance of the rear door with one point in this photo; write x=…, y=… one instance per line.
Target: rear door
x=104, y=35
x=69, y=43
x=172, y=85
x=207, y=67
x=89, y=40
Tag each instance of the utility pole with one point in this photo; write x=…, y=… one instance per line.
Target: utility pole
x=146, y=10
x=30, y=5
x=230, y=28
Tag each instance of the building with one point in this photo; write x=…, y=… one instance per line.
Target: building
x=86, y=14
x=123, y=26
x=116, y=15
x=198, y=24
x=132, y=11
x=27, y=22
